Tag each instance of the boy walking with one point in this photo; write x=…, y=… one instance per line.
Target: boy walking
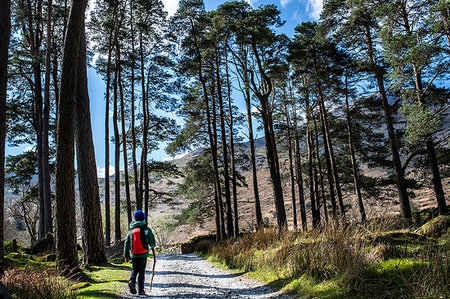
x=137, y=243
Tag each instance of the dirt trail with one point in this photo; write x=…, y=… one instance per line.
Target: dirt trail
x=190, y=276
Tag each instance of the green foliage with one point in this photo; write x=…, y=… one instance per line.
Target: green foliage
x=420, y=121
x=198, y=189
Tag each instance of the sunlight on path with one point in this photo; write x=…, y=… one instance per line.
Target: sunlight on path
x=190, y=276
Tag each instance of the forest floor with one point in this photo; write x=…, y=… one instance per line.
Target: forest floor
x=362, y=261
x=191, y=276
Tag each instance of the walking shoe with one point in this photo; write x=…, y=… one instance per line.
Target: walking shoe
x=132, y=288
x=141, y=292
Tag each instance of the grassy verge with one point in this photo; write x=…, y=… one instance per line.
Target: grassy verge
x=356, y=262
x=29, y=276
x=106, y=281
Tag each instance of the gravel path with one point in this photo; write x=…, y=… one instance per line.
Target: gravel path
x=190, y=276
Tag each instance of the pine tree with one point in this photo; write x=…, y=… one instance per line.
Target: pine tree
x=402, y=40
x=5, y=31
x=66, y=248
x=352, y=23
x=92, y=228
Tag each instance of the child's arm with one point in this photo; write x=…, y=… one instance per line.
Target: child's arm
x=151, y=239
x=126, y=247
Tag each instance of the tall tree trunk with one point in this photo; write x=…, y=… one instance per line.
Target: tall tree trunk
x=146, y=168
x=312, y=155
x=215, y=162
x=319, y=164
x=45, y=125
x=247, y=96
x=291, y=166
x=431, y=152
x=212, y=132
x=34, y=35
x=133, y=129
x=310, y=146
x=92, y=229
x=326, y=135
x=107, y=136
x=229, y=210
x=316, y=191
x=117, y=232
x=233, y=159
x=399, y=172
x=66, y=237
x=5, y=31
x=353, y=156
x=143, y=169
x=124, y=138
x=55, y=82
x=269, y=135
x=38, y=128
x=299, y=176
x=218, y=197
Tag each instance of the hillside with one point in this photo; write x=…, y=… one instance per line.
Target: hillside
x=420, y=199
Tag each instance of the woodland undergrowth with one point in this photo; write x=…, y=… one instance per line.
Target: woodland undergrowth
x=360, y=261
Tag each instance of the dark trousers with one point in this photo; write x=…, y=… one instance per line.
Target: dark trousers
x=138, y=269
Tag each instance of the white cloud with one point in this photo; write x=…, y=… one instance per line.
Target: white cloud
x=284, y=2
x=251, y=2
x=170, y=6
x=101, y=171
x=314, y=8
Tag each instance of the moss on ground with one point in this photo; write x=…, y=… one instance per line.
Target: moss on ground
x=106, y=281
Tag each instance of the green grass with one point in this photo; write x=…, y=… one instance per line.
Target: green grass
x=331, y=263
x=20, y=260
x=106, y=281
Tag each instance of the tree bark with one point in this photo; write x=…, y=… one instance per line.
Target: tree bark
x=133, y=129
x=217, y=197
x=66, y=237
x=299, y=176
x=329, y=144
x=310, y=146
x=319, y=165
x=216, y=164
x=431, y=152
x=45, y=126
x=251, y=141
x=291, y=167
x=143, y=168
x=233, y=159
x=117, y=231
x=124, y=137
x=5, y=32
x=229, y=211
x=92, y=229
x=353, y=156
x=269, y=136
x=107, y=136
x=399, y=172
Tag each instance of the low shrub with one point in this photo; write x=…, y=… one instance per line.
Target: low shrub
x=32, y=284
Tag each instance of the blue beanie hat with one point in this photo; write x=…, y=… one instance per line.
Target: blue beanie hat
x=139, y=215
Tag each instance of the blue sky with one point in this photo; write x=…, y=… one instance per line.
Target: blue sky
x=292, y=11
